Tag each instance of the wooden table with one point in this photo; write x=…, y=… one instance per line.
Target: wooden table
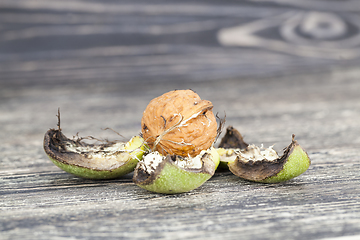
x=273, y=67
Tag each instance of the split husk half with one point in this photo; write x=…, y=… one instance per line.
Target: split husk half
x=168, y=175
x=93, y=161
x=262, y=165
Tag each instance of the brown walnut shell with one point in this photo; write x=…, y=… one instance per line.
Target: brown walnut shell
x=179, y=122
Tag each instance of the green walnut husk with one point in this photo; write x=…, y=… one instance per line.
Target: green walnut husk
x=172, y=174
x=262, y=164
x=93, y=161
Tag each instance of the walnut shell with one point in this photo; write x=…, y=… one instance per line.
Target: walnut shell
x=179, y=122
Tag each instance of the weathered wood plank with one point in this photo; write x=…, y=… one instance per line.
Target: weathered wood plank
x=39, y=200
x=101, y=63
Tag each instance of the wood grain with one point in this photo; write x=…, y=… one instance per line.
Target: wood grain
x=101, y=62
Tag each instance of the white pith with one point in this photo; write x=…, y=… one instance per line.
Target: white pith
x=255, y=153
x=252, y=152
x=153, y=159
x=104, y=158
x=189, y=162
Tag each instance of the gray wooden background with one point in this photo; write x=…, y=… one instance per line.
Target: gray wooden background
x=274, y=67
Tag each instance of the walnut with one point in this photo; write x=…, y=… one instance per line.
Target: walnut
x=179, y=122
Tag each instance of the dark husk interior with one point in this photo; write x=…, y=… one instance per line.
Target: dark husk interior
x=250, y=169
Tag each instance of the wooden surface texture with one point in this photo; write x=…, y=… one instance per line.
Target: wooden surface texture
x=274, y=68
